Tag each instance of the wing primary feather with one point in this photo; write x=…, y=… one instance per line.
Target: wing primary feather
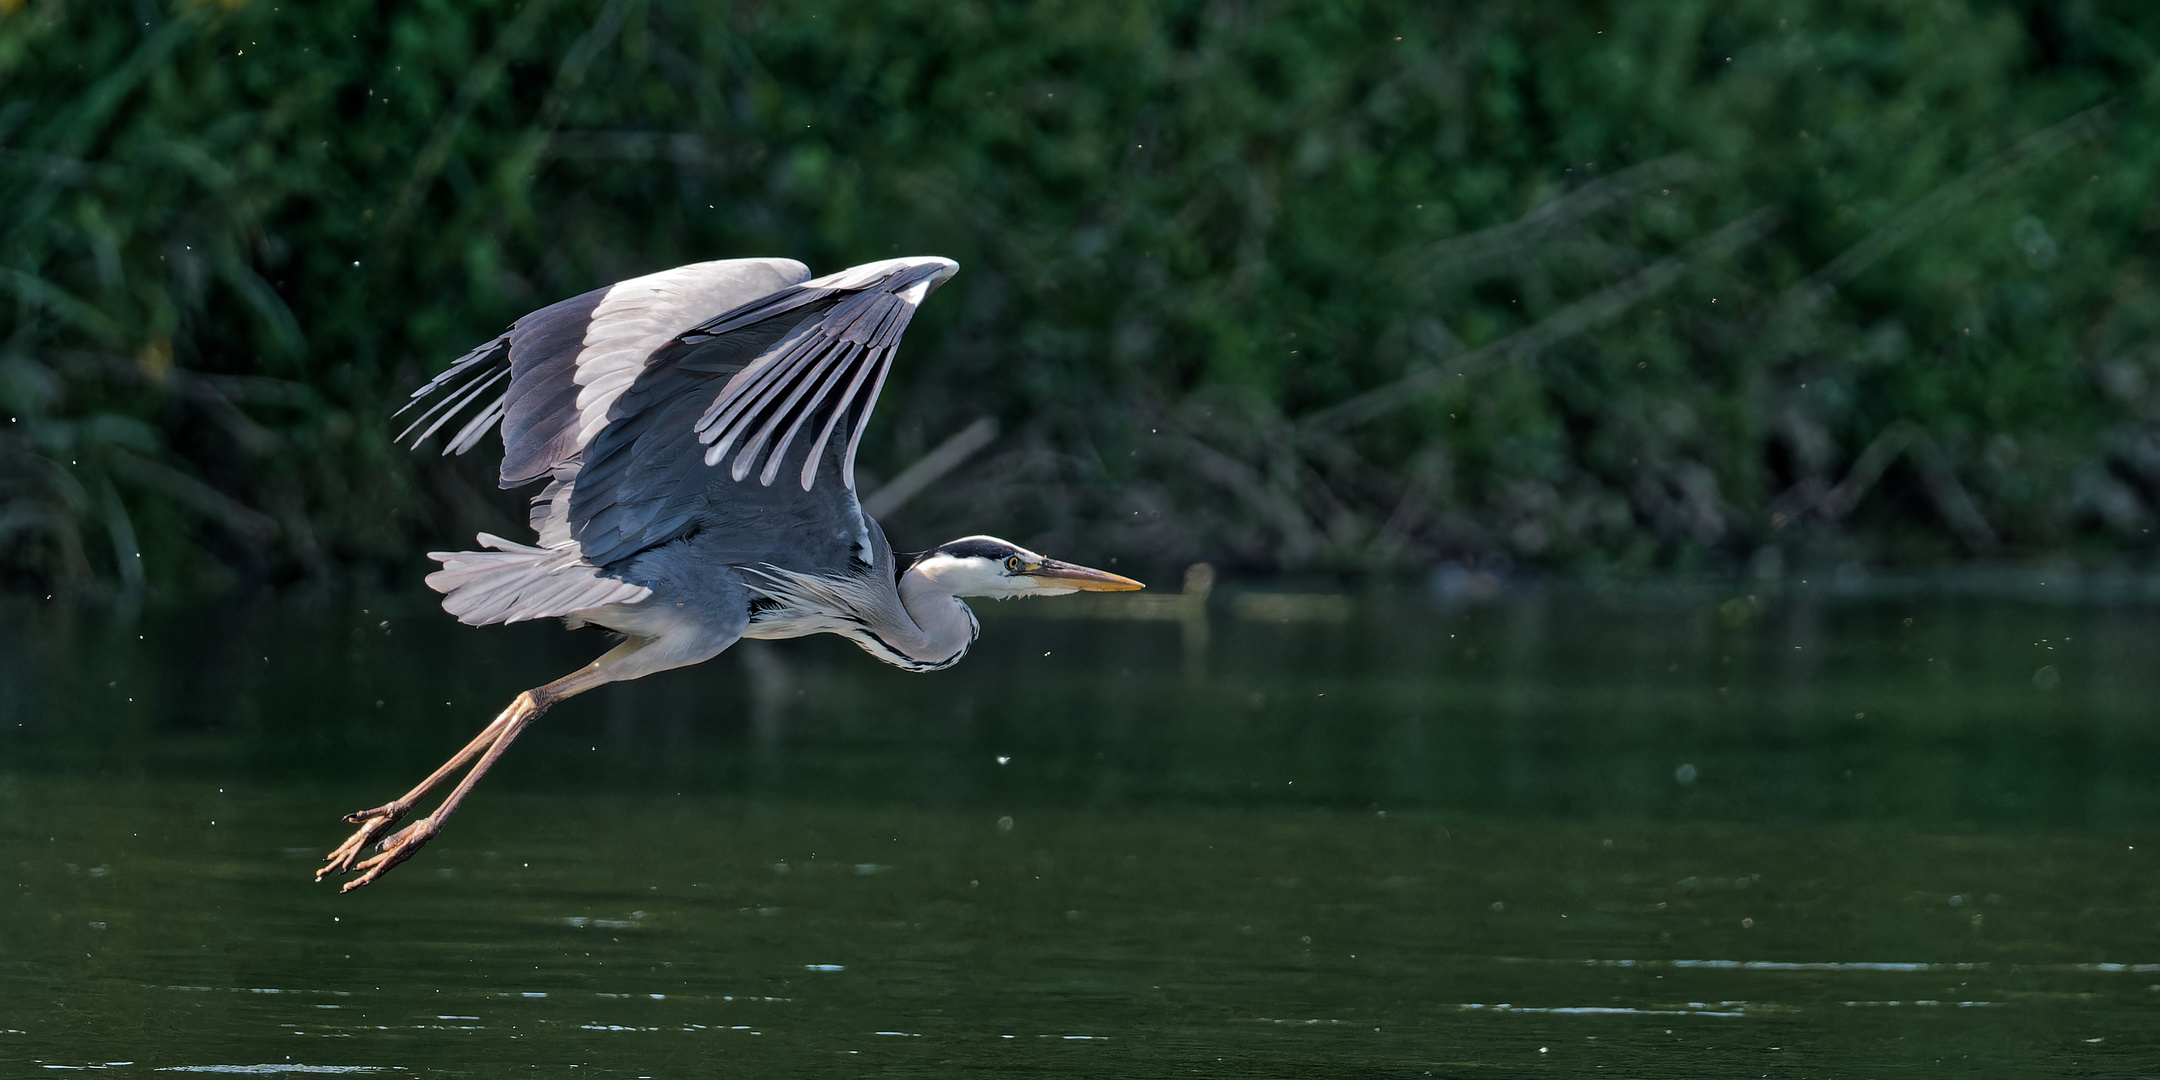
x=802, y=381
x=737, y=420
x=773, y=413
x=839, y=409
x=825, y=375
x=470, y=435
x=746, y=380
x=448, y=400
x=854, y=320
x=739, y=392
x=847, y=465
x=458, y=367
x=897, y=317
x=450, y=407
x=911, y=299
x=758, y=402
x=737, y=397
x=895, y=321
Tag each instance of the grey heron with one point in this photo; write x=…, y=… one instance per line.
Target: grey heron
x=696, y=430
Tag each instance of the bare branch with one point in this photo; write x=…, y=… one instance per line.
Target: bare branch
x=248, y=523
x=930, y=468
x=1907, y=439
x=1906, y=225
x=1475, y=254
x=1598, y=308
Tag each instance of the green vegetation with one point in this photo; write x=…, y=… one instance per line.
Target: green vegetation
x=1354, y=285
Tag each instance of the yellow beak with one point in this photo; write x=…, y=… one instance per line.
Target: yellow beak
x=1082, y=578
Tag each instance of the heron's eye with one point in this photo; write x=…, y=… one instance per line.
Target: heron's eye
x=1012, y=564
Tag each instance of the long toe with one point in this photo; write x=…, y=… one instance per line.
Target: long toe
x=401, y=846
x=373, y=823
x=341, y=860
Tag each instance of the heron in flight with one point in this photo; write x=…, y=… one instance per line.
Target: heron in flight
x=696, y=431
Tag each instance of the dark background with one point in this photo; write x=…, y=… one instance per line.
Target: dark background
x=1354, y=287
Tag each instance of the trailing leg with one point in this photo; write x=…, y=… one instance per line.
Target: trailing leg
x=488, y=746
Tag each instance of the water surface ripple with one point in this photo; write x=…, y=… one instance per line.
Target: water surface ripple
x=1564, y=832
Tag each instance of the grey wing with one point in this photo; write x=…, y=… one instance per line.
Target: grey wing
x=549, y=384
x=561, y=368
x=746, y=428
x=673, y=403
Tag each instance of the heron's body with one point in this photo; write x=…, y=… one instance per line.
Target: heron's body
x=696, y=431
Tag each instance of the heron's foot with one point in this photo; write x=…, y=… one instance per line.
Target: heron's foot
x=401, y=845
x=373, y=823
x=487, y=746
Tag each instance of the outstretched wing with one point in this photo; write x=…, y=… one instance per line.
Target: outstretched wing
x=738, y=421
x=560, y=369
x=658, y=400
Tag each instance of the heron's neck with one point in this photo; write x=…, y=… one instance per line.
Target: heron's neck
x=946, y=625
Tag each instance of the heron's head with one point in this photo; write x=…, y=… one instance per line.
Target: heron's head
x=1000, y=569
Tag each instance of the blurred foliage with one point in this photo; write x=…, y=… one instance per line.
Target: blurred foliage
x=1358, y=285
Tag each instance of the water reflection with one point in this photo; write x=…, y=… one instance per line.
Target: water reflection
x=1430, y=835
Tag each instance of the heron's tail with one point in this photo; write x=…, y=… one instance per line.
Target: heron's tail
x=513, y=583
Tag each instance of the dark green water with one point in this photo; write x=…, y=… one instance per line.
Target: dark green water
x=1560, y=833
